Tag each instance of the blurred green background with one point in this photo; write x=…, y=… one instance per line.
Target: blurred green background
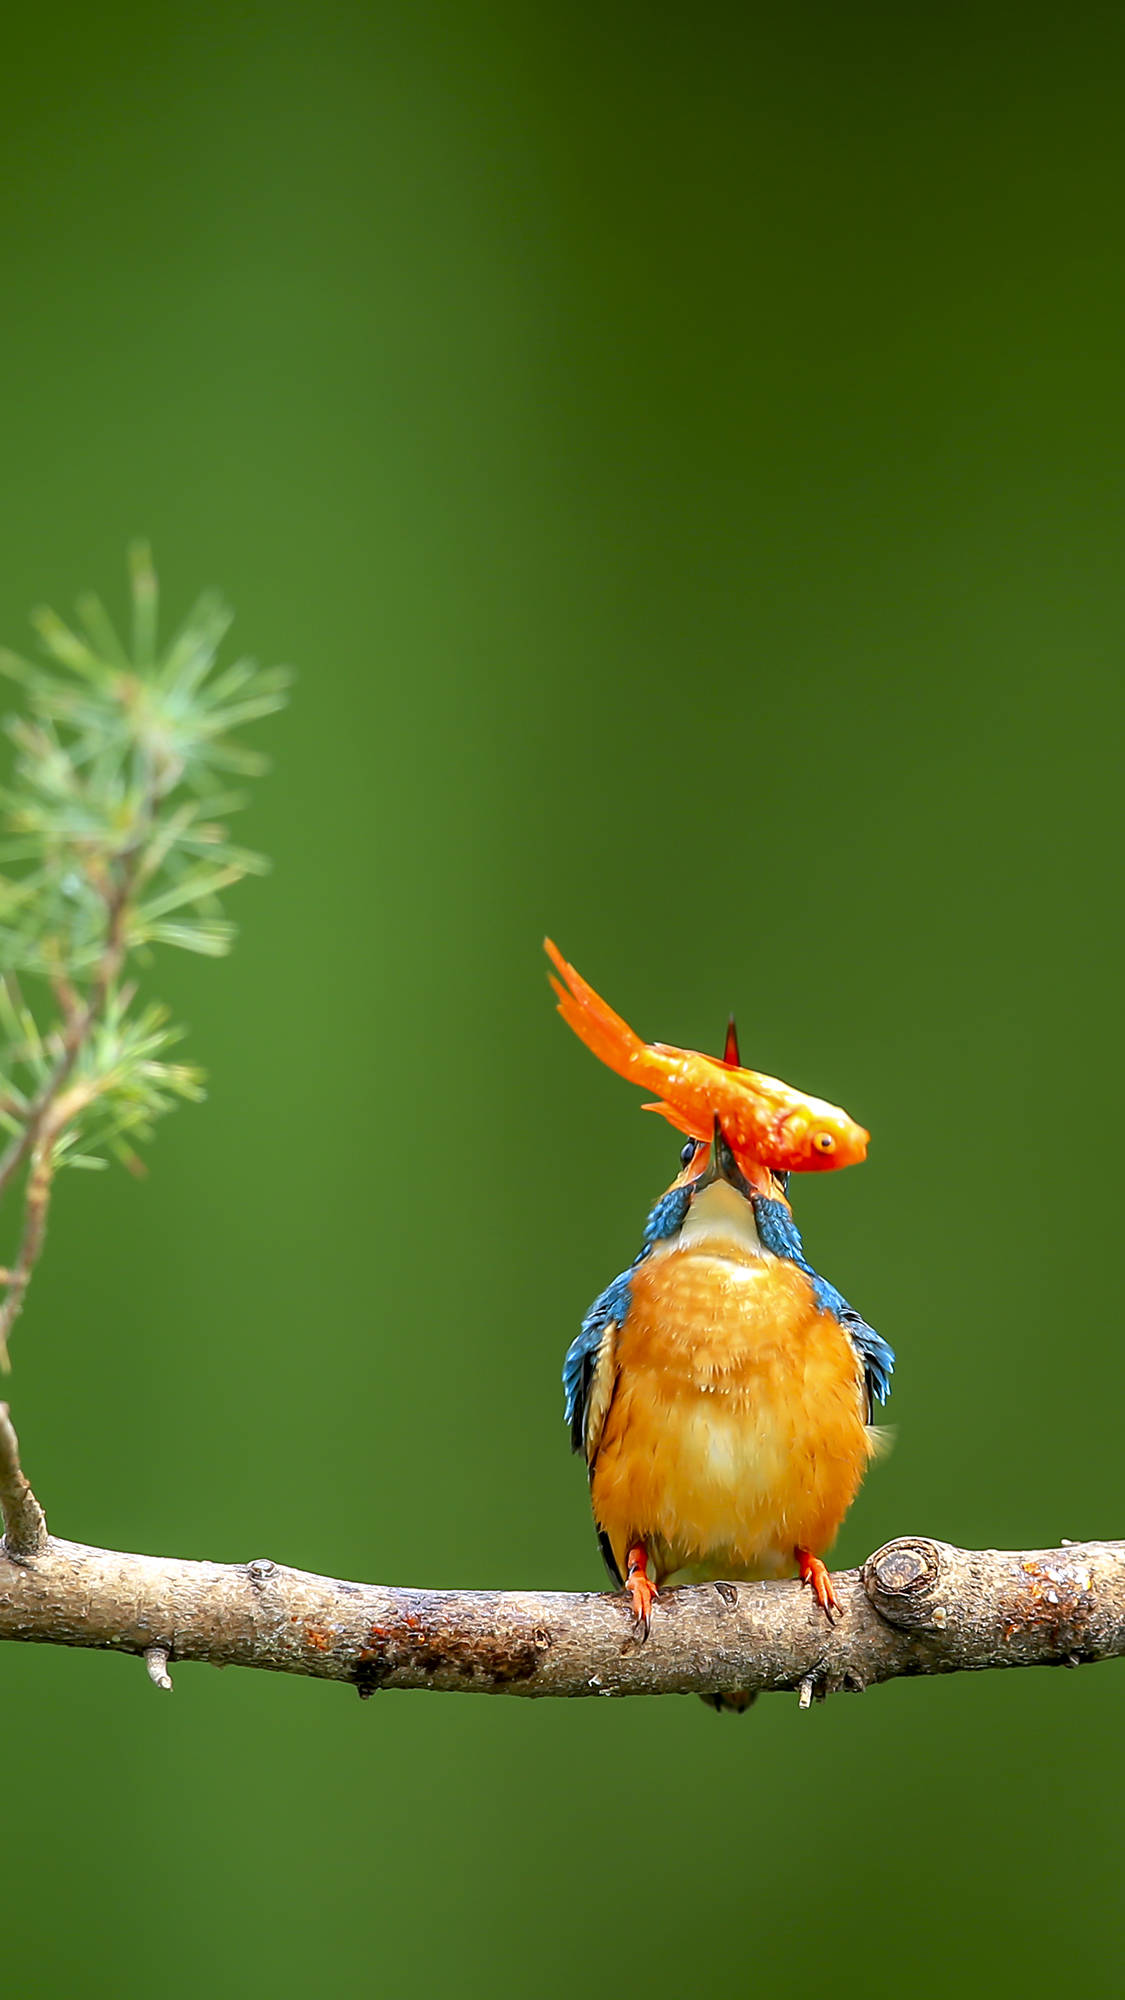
x=683, y=457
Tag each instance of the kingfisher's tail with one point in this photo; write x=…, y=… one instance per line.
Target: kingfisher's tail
x=729, y=1704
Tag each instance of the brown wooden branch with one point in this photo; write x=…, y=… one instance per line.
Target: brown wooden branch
x=21, y=1517
x=916, y=1607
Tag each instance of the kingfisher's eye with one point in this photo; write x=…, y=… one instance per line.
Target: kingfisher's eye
x=687, y=1153
x=824, y=1142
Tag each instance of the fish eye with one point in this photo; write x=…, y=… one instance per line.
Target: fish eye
x=687, y=1153
x=824, y=1142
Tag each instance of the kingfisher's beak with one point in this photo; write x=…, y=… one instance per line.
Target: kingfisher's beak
x=721, y=1163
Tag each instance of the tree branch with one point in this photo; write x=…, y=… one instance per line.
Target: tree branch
x=80, y=1020
x=122, y=770
x=21, y=1517
x=47, y=1116
x=916, y=1607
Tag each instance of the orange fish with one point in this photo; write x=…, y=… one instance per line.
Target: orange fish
x=767, y=1124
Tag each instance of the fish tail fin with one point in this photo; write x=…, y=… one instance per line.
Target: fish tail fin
x=605, y=1034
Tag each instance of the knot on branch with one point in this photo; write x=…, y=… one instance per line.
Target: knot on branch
x=906, y=1580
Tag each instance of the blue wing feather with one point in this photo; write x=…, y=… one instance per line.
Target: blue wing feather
x=581, y=1355
x=612, y=1305
x=778, y=1233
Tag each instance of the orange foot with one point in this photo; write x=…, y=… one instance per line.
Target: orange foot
x=814, y=1572
x=640, y=1586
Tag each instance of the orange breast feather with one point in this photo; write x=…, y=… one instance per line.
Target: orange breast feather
x=735, y=1428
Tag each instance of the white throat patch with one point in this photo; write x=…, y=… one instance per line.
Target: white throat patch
x=719, y=1211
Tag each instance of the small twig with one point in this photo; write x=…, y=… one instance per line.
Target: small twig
x=156, y=1660
x=37, y=1201
x=20, y=1146
x=80, y=1020
x=53, y=1107
x=805, y=1692
x=25, y=1525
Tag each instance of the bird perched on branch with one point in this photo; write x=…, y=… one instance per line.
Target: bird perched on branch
x=722, y=1391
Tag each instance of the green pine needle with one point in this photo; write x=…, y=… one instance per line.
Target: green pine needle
x=115, y=840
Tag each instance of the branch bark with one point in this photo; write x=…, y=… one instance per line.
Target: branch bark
x=917, y=1606
x=21, y=1517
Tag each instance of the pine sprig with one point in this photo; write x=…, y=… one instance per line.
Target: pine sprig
x=115, y=840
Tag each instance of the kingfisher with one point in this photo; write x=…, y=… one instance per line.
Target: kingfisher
x=722, y=1392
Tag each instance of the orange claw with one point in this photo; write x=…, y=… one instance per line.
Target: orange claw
x=814, y=1572
x=641, y=1589
x=764, y=1121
